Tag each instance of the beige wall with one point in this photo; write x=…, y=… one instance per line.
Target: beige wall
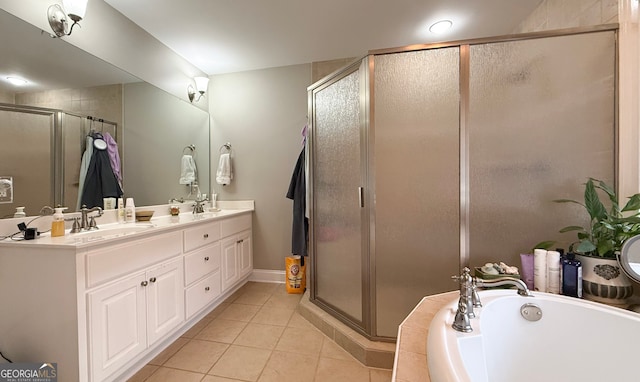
x=558, y=14
x=261, y=113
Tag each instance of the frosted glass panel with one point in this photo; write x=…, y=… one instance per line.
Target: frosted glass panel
x=337, y=224
x=26, y=137
x=541, y=121
x=416, y=180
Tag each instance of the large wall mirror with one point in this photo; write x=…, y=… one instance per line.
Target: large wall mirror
x=44, y=124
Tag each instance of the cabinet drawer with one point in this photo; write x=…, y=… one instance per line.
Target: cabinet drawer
x=116, y=260
x=202, y=293
x=201, y=235
x=201, y=262
x=235, y=224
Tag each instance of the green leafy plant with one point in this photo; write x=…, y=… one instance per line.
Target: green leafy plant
x=608, y=229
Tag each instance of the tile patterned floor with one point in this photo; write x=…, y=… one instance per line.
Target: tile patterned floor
x=256, y=335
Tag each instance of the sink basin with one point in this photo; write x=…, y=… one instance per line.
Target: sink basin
x=108, y=232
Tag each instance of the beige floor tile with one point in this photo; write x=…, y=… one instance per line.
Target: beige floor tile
x=239, y=312
x=196, y=328
x=214, y=378
x=330, y=349
x=261, y=287
x=380, y=375
x=273, y=316
x=217, y=310
x=337, y=370
x=252, y=298
x=198, y=356
x=285, y=367
x=221, y=330
x=287, y=301
x=241, y=362
x=259, y=336
x=297, y=321
x=143, y=373
x=303, y=341
x=168, y=352
x=165, y=374
x=281, y=290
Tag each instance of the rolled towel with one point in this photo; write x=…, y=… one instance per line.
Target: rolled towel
x=188, y=171
x=224, y=173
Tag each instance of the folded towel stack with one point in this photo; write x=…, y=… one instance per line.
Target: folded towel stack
x=188, y=171
x=224, y=173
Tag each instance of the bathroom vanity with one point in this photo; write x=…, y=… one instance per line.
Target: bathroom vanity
x=103, y=303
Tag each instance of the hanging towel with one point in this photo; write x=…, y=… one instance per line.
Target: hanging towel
x=224, y=173
x=114, y=156
x=188, y=171
x=84, y=166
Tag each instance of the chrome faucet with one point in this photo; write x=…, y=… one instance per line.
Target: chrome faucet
x=86, y=222
x=470, y=299
x=198, y=206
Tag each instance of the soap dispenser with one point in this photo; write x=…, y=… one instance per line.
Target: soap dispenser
x=57, y=225
x=19, y=212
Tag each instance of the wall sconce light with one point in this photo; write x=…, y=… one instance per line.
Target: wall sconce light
x=201, y=87
x=75, y=10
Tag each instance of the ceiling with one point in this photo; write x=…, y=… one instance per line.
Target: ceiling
x=222, y=36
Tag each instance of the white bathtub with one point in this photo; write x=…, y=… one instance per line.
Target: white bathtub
x=575, y=340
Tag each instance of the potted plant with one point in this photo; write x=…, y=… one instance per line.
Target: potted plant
x=601, y=240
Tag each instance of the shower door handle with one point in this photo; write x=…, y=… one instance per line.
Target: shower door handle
x=361, y=196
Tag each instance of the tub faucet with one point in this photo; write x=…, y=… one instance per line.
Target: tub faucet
x=470, y=299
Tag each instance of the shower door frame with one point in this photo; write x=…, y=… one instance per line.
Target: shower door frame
x=368, y=325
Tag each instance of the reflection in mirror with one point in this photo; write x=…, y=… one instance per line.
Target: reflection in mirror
x=629, y=258
x=72, y=84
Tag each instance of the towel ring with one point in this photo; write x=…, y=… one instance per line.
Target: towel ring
x=226, y=148
x=192, y=148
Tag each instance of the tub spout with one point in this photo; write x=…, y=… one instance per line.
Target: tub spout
x=501, y=281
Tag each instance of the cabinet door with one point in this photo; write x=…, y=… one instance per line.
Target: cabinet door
x=245, y=253
x=117, y=323
x=229, y=262
x=165, y=299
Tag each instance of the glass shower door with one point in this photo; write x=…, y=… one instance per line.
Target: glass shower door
x=337, y=182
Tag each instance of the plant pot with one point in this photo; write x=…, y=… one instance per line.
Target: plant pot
x=604, y=281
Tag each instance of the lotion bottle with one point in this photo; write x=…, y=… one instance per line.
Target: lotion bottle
x=57, y=225
x=571, y=276
x=19, y=212
x=120, y=210
x=553, y=272
x=540, y=270
x=130, y=211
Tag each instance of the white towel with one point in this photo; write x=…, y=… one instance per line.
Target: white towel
x=224, y=173
x=188, y=171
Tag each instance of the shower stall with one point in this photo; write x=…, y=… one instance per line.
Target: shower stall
x=428, y=158
x=40, y=151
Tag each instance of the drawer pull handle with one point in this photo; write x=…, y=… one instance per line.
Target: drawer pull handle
x=239, y=241
x=153, y=279
x=144, y=283
x=206, y=289
x=206, y=258
x=206, y=235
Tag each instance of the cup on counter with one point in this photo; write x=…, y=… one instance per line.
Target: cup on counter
x=174, y=210
x=109, y=203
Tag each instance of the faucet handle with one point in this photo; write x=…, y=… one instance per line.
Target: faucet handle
x=92, y=223
x=76, y=225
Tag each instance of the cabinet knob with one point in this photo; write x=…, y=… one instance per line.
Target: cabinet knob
x=153, y=279
x=206, y=235
x=206, y=289
x=206, y=258
x=144, y=283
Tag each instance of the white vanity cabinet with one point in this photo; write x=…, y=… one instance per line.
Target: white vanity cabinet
x=103, y=308
x=130, y=314
x=237, y=250
x=201, y=267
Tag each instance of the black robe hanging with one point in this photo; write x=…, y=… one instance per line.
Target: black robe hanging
x=297, y=192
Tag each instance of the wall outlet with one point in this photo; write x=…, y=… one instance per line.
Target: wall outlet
x=6, y=189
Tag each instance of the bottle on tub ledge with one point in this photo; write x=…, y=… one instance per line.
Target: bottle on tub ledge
x=571, y=276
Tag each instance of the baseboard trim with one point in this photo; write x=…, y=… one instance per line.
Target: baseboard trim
x=267, y=276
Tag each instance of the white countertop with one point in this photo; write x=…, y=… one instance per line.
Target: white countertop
x=112, y=232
